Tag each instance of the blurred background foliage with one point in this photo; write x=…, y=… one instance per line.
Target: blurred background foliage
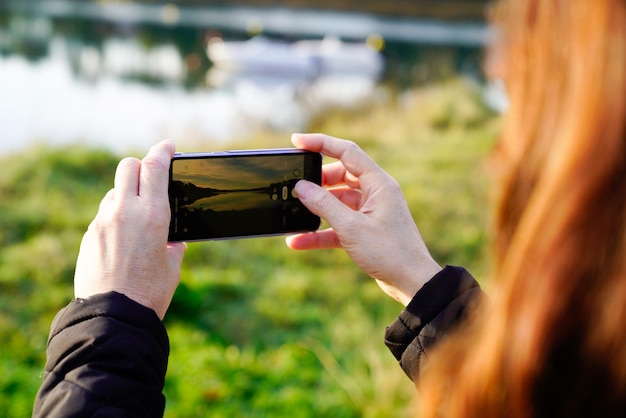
x=256, y=330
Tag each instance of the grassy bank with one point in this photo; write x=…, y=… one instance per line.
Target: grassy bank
x=256, y=330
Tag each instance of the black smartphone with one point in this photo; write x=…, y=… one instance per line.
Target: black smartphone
x=239, y=194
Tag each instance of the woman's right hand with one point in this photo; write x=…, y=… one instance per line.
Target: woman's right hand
x=125, y=248
x=368, y=215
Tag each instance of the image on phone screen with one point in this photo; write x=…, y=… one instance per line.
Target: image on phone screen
x=232, y=196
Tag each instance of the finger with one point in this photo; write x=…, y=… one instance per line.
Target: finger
x=154, y=173
x=107, y=202
x=126, y=182
x=107, y=199
x=314, y=240
x=336, y=173
x=348, y=196
x=323, y=203
x=349, y=153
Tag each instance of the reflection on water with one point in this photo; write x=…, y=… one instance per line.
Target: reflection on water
x=125, y=86
x=44, y=101
x=232, y=199
x=101, y=104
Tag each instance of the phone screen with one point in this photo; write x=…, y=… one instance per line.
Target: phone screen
x=240, y=194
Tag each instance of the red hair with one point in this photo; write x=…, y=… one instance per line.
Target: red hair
x=551, y=341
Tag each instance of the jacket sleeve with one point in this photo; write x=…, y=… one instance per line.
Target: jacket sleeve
x=435, y=310
x=106, y=356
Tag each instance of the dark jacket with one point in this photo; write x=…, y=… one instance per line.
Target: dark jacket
x=435, y=310
x=106, y=356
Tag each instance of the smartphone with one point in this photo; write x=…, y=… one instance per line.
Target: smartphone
x=240, y=194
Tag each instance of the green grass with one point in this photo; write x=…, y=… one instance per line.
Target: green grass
x=256, y=329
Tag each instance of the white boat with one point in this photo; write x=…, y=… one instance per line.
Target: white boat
x=303, y=59
x=332, y=56
x=259, y=55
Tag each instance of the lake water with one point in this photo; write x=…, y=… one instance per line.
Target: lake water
x=126, y=76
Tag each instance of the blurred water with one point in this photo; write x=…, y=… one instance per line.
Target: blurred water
x=120, y=83
x=44, y=102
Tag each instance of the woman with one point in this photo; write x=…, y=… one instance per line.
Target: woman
x=550, y=341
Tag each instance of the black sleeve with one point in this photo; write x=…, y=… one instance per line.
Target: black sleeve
x=106, y=356
x=437, y=308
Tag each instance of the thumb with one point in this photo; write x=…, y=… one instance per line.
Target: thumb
x=321, y=202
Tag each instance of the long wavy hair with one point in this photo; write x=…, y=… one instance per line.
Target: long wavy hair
x=550, y=340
